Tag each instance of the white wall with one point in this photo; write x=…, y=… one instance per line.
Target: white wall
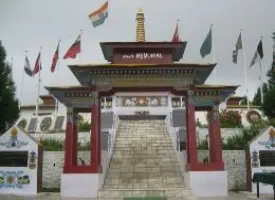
x=16, y=140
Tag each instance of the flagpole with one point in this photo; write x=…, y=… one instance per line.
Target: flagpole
x=80, y=54
x=58, y=64
x=213, y=53
x=22, y=82
x=245, y=73
x=261, y=81
x=39, y=82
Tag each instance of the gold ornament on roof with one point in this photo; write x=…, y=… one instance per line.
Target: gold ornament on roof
x=13, y=131
x=272, y=132
x=140, y=26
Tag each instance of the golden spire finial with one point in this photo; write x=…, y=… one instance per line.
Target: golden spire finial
x=140, y=10
x=140, y=26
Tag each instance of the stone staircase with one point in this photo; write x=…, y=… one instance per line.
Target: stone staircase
x=144, y=164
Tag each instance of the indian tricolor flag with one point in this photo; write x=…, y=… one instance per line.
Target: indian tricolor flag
x=98, y=17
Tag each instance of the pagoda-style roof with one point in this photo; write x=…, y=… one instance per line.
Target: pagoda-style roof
x=109, y=49
x=87, y=73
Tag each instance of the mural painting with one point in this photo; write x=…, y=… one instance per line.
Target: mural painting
x=13, y=179
x=13, y=142
x=32, y=160
x=270, y=143
x=255, y=159
x=152, y=101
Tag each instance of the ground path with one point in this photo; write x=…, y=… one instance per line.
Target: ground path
x=56, y=196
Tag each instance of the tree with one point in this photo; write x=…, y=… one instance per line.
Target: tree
x=244, y=101
x=269, y=103
x=257, y=98
x=9, y=110
x=271, y=71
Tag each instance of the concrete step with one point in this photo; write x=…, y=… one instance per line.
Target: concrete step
x=144, y=147
x=141, y=185
x=146, y=154
x=139, y=175
x=148, y=158
x=167, y=192
x=143, y=169
x=160, y=164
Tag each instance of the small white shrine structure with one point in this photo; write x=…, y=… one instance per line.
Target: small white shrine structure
x=20, y=163
x=262, y=158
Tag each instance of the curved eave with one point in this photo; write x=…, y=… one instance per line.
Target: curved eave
x=202, y=70
x=41, y=106
x=242, y=107
x=177, y=48
x=224, y=90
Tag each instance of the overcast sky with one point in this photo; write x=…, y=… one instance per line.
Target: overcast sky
x=29, y=24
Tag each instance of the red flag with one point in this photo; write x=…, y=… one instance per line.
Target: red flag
x=176, y=37
x=55, y=58
x=37, y=66
x=74, y=49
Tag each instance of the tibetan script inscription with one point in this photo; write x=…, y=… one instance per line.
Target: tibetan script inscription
x=142, y=56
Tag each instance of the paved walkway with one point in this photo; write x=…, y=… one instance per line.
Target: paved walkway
x=56, y=196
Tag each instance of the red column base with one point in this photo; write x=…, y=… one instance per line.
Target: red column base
x=214, y=166
x=82, y=169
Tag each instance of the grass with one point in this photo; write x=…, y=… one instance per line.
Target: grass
x=50, y=189
x=56, y=145
x=145, y=198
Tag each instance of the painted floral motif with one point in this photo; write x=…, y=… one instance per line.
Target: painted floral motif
x=32, y=160
x=13, y=142
x=13, y=179
x=10, y=180
x=142, y=101
x=271, y=142
x=253, y=117
x=255, y=159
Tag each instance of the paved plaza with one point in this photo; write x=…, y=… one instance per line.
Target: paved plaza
x=56, y=196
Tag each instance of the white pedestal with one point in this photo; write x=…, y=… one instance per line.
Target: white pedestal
x=80, y=185
x=207, y=183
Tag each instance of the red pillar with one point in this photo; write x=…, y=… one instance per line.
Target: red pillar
x=74, y=142
x=192, y=158
x=95, y=133
x=210, y=135
x=70, y=150
x=216, y=140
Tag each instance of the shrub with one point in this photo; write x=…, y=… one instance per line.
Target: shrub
x=84, y=147
x=203, y=145
x=240, y=141
x=52, y=145
x=230, y=119
x=271, y=122
x=84, y=127
x=22, y=124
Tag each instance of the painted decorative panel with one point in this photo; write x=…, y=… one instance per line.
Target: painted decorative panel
x=262, y=153
x=19, y=166
x=13, y=179
x=13, y=141
x=142, y=101
x=270, y=142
